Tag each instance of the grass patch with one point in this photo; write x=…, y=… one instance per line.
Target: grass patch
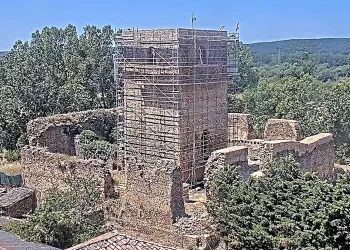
x=10, y=168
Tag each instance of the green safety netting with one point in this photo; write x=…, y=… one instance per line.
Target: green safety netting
x=14, y=180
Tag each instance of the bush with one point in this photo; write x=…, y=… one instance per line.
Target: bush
x=64, y=219
x=286, y=209
x=87, y=136
x=94, y=148
x=102, y=150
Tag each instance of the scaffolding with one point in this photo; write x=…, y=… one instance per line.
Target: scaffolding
x=233, y=77
x=172, y=85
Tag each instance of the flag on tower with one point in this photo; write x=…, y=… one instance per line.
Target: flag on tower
x=193, y=19
x=237, y=27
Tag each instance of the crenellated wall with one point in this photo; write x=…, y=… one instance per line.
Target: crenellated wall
x=314, y=153
x=282, y=137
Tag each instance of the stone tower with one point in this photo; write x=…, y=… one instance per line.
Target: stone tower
x=174, y=85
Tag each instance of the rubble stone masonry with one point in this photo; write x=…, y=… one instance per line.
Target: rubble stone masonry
x=314, y=153
x=57, y=132
x=44, y=171
x=281, y=129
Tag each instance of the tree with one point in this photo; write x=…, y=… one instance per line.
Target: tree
x=57, y=71
x=300, y=99
x=248, y=76
x=286, y=209
x=66, y=218
x=337, y=102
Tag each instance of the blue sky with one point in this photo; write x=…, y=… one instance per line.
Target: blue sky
x=260, y=20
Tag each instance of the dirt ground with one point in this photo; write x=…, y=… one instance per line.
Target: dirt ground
x=197, y=202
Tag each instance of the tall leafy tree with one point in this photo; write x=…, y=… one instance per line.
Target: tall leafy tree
x=57, y=71
x=286, y=209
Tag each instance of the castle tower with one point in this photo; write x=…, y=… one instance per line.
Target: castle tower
x=174, y=84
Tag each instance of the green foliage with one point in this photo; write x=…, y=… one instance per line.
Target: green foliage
x=102, y=150
x=283, y=210
x=329, y=57
x=57, y=71
x=11, y=155
x=87, y=136
x=248, y=76
x=318, y=106
x=64, y=219
x=301, y=99
x=93, y=148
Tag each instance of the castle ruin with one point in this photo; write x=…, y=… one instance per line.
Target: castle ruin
x=173, y=127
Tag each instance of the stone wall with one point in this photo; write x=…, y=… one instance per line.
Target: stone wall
x=154, y=191
x=282, y=129
x=44, y=171
x=57, y=132
x=314, y=153
x=254, y=147
x=223, y=158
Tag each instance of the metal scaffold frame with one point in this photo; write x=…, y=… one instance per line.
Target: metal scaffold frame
x=162, y=94
x=233, y=75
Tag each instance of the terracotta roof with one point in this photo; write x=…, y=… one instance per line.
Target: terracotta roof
x=15, y=195
x=116, y=241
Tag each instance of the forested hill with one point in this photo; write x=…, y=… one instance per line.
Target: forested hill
x=3, y=53
x=325, y=48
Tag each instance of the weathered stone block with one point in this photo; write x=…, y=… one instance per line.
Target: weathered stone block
x=281, y=129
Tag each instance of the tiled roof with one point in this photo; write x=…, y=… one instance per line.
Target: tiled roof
x=10, y=241
x=116, y=241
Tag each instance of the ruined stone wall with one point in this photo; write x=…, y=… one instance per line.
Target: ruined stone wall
x=223, y=158
x=314, y=153
x=319, y=154
x=153, y=201
x=254, y=147
x=282, y=129
x=57, y=132
x=44, y=171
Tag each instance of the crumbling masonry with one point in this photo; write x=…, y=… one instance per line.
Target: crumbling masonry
x=283, y=137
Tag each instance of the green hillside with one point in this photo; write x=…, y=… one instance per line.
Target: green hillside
x=334, y=51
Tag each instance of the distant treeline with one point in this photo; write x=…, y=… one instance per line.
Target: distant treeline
x=331, y=51
x=328, y=59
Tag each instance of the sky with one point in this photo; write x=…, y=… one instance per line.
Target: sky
x=260, y=20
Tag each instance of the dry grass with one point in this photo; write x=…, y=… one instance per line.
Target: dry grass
x=197, y=202
x=10, y=168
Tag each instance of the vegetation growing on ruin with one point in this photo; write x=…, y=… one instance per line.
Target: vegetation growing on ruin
x=65, y=219
x=286, y=209
x=95, y=148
